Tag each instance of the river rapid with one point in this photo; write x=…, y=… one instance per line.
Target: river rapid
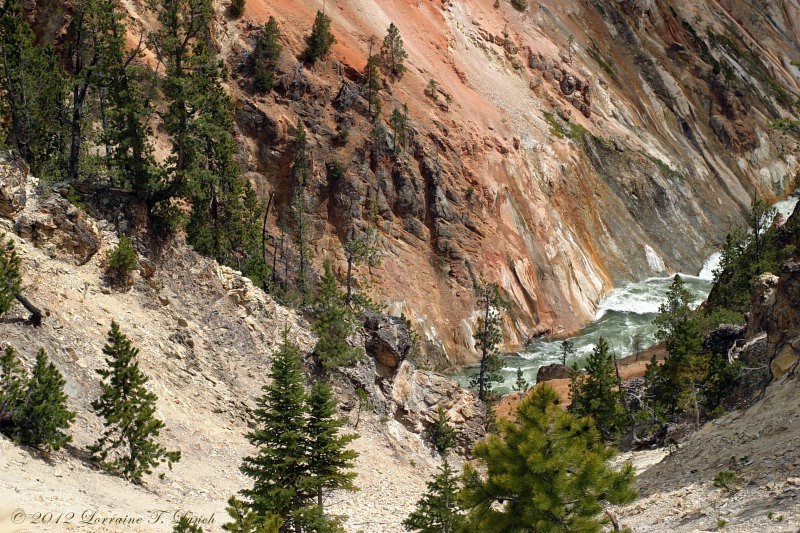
x=623, y=313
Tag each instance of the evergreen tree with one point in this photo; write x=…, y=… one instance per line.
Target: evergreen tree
x=13, y=380
x=10, y=278
x=128, y=443
x=361, y=248
x=280, y=469
x=244, y=520
x=685, y=368
x=567, y=351
x=598, y=394
x=335, y=324
x=268, y=50
x=398, y=123
x=489, y=338
x=546, y=472
x=184, y=49
x=321, y=39
x=34, y=84
x=392, y=52
x=42, y=417
x=372, y=84
x=300, y=209
x=329, y=461
x=438, y=510
x=441, y=435
x=521, y=384
x=237, y=8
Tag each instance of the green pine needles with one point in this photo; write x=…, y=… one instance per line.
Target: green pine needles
x=301, y=455
x=438, y=510
x=598, y=393
x=545, y=472
x=266, y=55
x=489, y=337
x=336, y=323
x=33, y=410
x=10, y=278
x=128, y=444
x=321, y=39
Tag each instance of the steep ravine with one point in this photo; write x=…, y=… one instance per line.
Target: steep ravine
x=568, y=149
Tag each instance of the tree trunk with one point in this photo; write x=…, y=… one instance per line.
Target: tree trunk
x=348, y=299
x=36, y=314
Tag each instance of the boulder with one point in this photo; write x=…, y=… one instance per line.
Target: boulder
x=62, y=229
x=723, y=338
x=785, y=359
x=13, y=177
x=419, y=394
x=762, y=302
x=551, y=372
x=388, y=340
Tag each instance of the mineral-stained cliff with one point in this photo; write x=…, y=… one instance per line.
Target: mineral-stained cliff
x=566, y=148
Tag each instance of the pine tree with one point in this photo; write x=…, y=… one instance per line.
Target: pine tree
x=441, y=435
x=438, y=510
x=10, y=278
x=567, y=351
x=300, y=209
x=279, y=469
x=685, y=368
x=335, y=324
x=268, y=50
x=598, y=393
x=237, y=8
x=244, y=520
x=398, y=123
x=392, y=52
x=361, y=248
x=330, y=463
x=546, y=472
x=372, y=84
x=42, y=417
x=489, y=337
x=521, y=384
x=128, y=443
x=321, y=39
x=35, y=87
x=13, y=380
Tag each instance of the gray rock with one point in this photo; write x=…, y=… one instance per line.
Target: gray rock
x=388, y=341
x=551, y=372
x=13, y=176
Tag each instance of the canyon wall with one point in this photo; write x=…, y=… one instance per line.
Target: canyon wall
x=563, y=150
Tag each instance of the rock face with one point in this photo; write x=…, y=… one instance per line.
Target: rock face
x=551, y=372
x=388, y=341
x=60, y=228
x=418, y=395
x=13, y=179
x=783, y=331
x=722, y=339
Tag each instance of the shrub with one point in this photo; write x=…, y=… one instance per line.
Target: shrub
x=10, y=279
x=121, y=261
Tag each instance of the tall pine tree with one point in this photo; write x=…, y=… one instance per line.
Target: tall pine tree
x=330, y=463
x=279, y=469
x=41, y=417
x=547, y=471
x=598, y=393
x=392, y=52
x=335, y=324
x=128, y=443
x=268, y=50
x=321, y=39
x=489, y=337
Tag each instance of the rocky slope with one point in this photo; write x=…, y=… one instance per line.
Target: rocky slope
x=205, y=335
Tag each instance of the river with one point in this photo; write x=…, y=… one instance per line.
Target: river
x=623, y=313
